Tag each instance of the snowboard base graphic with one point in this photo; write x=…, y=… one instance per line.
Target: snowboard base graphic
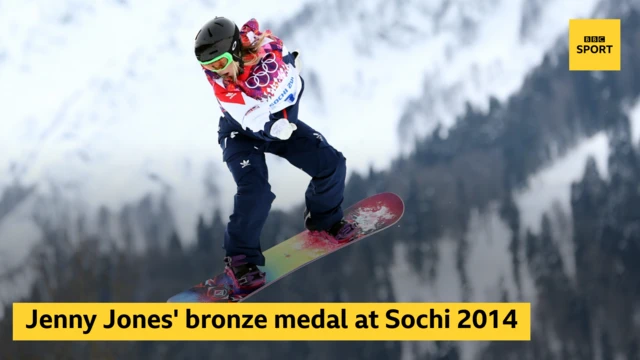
x=372, y=215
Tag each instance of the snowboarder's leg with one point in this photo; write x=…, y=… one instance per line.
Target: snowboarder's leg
x=252, y=203
x=308, y=150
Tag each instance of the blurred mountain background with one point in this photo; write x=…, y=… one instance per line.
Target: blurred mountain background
x=521, y=179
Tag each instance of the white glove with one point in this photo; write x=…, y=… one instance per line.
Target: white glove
x=282, y=129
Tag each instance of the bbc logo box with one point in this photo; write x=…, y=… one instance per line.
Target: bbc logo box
x=594, y=39
x=594, y=44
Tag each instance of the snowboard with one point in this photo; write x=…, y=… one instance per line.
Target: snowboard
x=371, y=215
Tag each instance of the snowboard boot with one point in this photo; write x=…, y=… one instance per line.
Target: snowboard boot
x=340, y=232
x=245, y=275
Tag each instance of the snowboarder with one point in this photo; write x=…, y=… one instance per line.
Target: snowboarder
x=258, y=86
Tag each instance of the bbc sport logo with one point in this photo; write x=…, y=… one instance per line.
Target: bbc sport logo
x=594, y=48
x=594, y=45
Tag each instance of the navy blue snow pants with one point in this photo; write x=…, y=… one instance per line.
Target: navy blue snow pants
x=308, y=150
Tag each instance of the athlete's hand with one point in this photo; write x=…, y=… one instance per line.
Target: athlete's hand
x=282, y=129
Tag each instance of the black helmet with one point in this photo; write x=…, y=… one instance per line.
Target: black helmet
x=216, y=37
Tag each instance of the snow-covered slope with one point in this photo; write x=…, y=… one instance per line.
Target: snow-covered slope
x=378, y=57
x=488, y=266
x=104, y=99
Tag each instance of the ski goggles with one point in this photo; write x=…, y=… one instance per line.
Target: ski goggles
x=226, y=56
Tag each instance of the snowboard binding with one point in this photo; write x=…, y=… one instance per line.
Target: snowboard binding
x=341, y=232
x=244, y=274
x=238, y=280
